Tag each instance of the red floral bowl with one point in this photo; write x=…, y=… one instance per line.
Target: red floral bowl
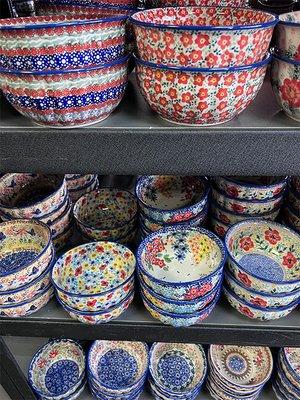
x=203, y=36
x=199, y=96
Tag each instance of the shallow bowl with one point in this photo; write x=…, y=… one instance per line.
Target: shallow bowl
x=291, y=218
x=75, y=194
x=159, y=394
x=219, y=393
x=290, y=389
x=264, y=256
x=287, y=35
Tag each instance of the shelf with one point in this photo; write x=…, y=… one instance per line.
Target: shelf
x=135, y=140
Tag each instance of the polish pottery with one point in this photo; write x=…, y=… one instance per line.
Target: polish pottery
x=286, y=383
x=287, y=35
x=76, y=192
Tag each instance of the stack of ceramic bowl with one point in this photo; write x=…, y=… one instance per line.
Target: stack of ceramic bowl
x=41, y=197
x=57, y=370
x=291, y=211
x=26, y=258
x=238, y=372
x=238, y=198
x=78, y=185
x=287, y=378
x=94, y=282
x=286, y=64
x=180, y=272
x=166, y=200
x=176, y=370
x=117, y=369
x=107, y=214
x=67, y=83
x=263, y=275
x=184, y=58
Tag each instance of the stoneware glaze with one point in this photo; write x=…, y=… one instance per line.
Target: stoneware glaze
x=287, y=35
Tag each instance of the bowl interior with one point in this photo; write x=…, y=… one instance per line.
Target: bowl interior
x=266, y=250
x=93, y=268
x=293, y=16
x=181, y=255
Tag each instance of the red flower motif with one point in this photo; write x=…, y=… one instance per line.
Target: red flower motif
x=182, y=217
x=163, y=101
x=244, y=279
x=53, y=353
x=237, y=208
x=220, y=230
x=169, y=53
x=239, y=91
x=172, y=93
x=104, y=283
x=183, y=59
x=202, y=40
x=203, y=94
x=186, y=39
x=213, y=80
x=243, y=41
x=122, y=274
x=78, y=271
x=91, y=303
x=290, y=92
x=202, y=105
x=158, y=262
x=187, y=97
x=232, y=191
x=222, y=105
x=226, y=57
x=68, y=259
x=211, y=60
x=199, y=79
x=155, y=35
x=169, y=38
x=272, y=236
x=289, y=260
x=222, y=93
x=246, y=311
x=259, y=302
x=224, y=218
x=246, y=243
x=228, y=79
x=170, y=76
x=242, y=77
x=250, y=91
x=230, y=243
x=196, y=55
x=157, y=88
x=195, y=292
x=42, y=363
x=177, y=107
x=277, y=191
x=183, y=78
x=99, y=249
x=224, y=41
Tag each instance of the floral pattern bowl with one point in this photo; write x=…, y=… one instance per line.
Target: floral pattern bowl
x=75, y=194
x=181, y=263
x=287, y=33
x=264, y=256
x=57, y=369
x=218, y=226
x=94, y=276
x=285, y=78
x=169, y=199
x=203, y=37
x=77, y=181
x=199, y=96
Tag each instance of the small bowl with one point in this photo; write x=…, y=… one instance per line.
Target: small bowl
x=203, y=37
x=287, y=34
x=256, y=312
x=218, y=226
x=170, y=199
x=180, y=263
x=94, y=276
x=291, y=218
x=285, y=76
x=75, y=194
x=57, y=369
x=264, y=256
x=61, y=223
x=25, y=252
x=106, y=214
x=75, y=181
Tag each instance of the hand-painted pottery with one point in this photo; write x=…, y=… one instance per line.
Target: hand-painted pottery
x=260, y=299
x=286, y=385
x=264, y=256
x=100, y=396
x=291, y=358
x=126, y=240
x=75, y=194
x=248, y=207
x=99, y=317
x=278, y=393
x=31, y=195
x=287, y=37
x=170, y=199
x=27, y=307
x=251, y=187
x=159, y=394
x=199, y=96
x=71, y=98
x=57, y=369
x=56, y=213
x=220, y=394
x=291, y=218
x=254, y=311
x=61, y=240
x=203, y=37
x=56, y=42
x=94, y=275
x=62, y=223
x=286, y=369
x=25, y=252
x=198, y=3
x=295, y=184
x=77, y=181
x=181, y=263
x=218, y=226
x=293, y=199
x=285, y=78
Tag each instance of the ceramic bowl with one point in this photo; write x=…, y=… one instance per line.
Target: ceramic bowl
x=199, y=3
x=106, y=214
x=99, y=317
x=62, y=223
x=127, y=240
x=27, y=307
x=25, y=252
x=293, y=199
x=46, y=193
x=289, y=373
x=290, y=363
x=180, y=263
x=75, y=181
x=63, y=239
x=254, y=311
x=199, y=96
x=218, y=226
x=295, y=183
x=264, y=256
x=291, y=218
x=258, y=298
x=43, y=43
x=158, y=394
x=203, y=37
x=170, y=199
x=285, y=76
x=100, y=396
x=57, y=369
x=219, y=393
x=94, y=276
x=286, y=385
x=71, y=98
x=75, y=194
x=287, y=35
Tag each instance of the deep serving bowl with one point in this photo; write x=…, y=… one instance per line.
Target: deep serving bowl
x=181, y=263
x=170, y=199
x=285, y=78
x=264, y=256
x=70, y=98
x=56, y=42
x=287, y=34
x=94, y=276
x=57, y=369
x=199, y=96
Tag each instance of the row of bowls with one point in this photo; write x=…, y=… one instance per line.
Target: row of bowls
x=291, y=212
x=286, y=383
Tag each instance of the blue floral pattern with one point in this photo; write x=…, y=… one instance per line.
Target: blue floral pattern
x=175, y=370
x=61, y=376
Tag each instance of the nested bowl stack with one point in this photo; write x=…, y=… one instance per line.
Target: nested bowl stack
x=117, y=369
x=180, y=272
x=57, y=370
x=26, y=258
x=94, y=282
x=238, y=372
x=78, y=185
x=286, y=382
x=238, y=198
x=291, y=211
x=262, y=280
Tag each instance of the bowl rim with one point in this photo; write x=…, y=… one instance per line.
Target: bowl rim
x=286, y=362
x=28, y=301
x=285, y=59
x=259, y=216
x=253, y=185
x=284, y=378
x=160, y=392
x=41, y=253
x=288, y=23
x=231, y=28
x=171, y=229
x=259, y=221
x=85, y=186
